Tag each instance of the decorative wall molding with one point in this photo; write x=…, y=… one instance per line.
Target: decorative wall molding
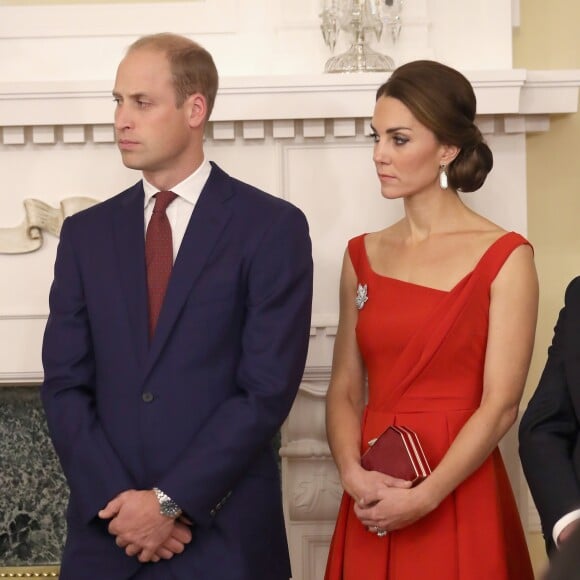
x=284, y=99
x=21, y=335
x=311, y=486
x=22, y=379
x=30, y=572
x=84, y=19
x=39, y=217
x=531, y=515
x=315, y=551
x=296, y=130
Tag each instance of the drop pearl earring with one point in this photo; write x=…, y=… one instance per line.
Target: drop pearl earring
x=443, y=181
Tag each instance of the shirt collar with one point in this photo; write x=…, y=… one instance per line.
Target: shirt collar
x=189, y=189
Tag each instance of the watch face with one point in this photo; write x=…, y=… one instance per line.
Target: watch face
x=167, y=506
x=170, y=508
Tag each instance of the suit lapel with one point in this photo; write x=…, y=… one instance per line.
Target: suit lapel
x=130, y=245
x=207, y=222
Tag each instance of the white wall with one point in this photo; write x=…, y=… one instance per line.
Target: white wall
x=84, y=41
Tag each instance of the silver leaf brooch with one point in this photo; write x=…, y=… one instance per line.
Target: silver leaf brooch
x=361, y=296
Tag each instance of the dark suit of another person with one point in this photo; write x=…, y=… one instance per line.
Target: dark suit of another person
x=550, y=428
x=566, y=564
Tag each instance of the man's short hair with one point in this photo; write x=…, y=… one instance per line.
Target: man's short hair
x=192, y=66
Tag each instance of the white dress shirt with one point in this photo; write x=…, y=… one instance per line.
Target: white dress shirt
x=180, y=209
x=562, y=523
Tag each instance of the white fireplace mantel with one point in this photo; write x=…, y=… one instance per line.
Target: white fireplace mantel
x=511, y=92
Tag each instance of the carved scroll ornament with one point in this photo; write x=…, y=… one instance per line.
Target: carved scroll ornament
x=39, y=217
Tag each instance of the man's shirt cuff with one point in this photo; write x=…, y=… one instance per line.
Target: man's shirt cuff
x=562, y=523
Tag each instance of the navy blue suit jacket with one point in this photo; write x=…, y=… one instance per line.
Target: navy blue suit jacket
x=550, y=428
x=194, y=411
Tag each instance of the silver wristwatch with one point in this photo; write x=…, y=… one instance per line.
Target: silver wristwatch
x=167, y=506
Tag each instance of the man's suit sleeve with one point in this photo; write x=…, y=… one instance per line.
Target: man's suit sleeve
x=549, y=428
x=274, y=346
x=92, y=469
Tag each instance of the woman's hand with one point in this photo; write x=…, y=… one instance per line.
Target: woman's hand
x=366, y=487
x=396, y=507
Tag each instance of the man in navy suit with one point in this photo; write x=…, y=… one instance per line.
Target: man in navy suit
x=550, y=431
x=165, y=439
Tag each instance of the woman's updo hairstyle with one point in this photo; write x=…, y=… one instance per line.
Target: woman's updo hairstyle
x=442, y=100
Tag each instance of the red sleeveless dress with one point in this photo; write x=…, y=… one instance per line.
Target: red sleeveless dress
x=424, y=350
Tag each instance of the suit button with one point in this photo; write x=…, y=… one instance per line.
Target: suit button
x=147, y=397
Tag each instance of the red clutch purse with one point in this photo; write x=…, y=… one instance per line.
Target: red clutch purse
x=397, y=452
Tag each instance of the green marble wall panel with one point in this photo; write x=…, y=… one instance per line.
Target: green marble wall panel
x=33, y=492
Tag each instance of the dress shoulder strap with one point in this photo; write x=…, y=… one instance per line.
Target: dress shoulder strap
x=356, y=252
x=496, y=255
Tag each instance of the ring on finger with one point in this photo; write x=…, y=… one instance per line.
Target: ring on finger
x=381, y=533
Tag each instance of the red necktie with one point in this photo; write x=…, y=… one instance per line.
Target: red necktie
x=158, y=255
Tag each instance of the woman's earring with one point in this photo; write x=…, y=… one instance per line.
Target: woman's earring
x=443, y=182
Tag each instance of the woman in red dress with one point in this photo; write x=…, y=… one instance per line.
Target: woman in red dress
x=438, y=312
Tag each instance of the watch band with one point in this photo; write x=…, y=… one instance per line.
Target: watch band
x=167, y=506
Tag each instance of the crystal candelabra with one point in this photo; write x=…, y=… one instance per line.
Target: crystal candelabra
x=359, y=18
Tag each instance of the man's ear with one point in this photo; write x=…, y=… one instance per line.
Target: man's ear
x=196, y=108
x=449, y=153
